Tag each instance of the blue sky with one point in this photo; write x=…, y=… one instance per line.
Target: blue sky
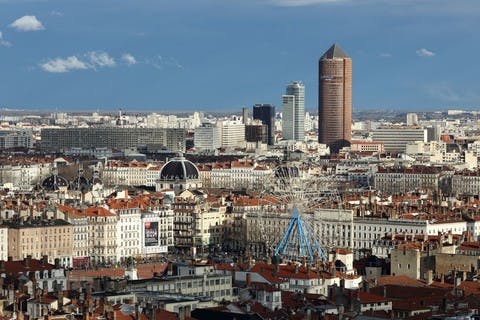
x=224, y=54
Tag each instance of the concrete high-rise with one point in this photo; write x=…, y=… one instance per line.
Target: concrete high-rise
x=266, y=114
x=293, y=112
x=335, y=98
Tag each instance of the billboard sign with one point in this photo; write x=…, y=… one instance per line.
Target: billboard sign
x=151, y=234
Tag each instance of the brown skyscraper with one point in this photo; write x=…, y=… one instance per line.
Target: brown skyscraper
x=335, y=98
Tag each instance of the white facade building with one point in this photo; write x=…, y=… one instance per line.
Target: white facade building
x=157, y=231
x=234, y=175
x=293, y=112
x=208, y=137
x=24, y=176
x=3, y=243
x=133, y=173
x=16, y=139
x=396, y=138
x=412, y=119
x=128, y=232
x=233, y=134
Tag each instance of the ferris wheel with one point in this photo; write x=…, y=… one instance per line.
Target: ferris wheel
x=289, y=200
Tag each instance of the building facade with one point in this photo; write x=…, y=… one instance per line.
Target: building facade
x=335, y=98
x=395, y=139
x=36, y=238
x=266, y=114
x=155, y=139
x=208, y=137
x=293, y=112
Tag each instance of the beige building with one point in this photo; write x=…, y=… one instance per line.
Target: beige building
x=367, y=146
x=401, y=180
x=38, y=238
x=80, y=249
x=209, y=226
x=3, y=243
x=405, y=262
x=102, y=235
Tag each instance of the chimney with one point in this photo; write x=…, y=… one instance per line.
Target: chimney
x=2, y=266
x=44, y=261
x=137, y=311
x=60, y=297
x=233, y=276
x=26, y=262
x=249, y=279
x=366, y=286
x=57, y=263
x=429, y=277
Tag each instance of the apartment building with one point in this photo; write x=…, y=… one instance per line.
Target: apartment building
x=155, y=139
x=134, y=173
x=404, y=179
x=38, y=237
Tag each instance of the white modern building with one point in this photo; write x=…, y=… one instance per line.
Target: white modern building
x=16, y=139
x=412, y=119
x=233, y=134
x=208, y=137
x=293, y=112
x=396, y=138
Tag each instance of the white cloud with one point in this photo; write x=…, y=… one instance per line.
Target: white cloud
x=100, y=59
x=91, y=60
x=129, y=59
x=27, y=23
x=61, y=65
x=3, y=42
x=422, y=52
x=385, y=55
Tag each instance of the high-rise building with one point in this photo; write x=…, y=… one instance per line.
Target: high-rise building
x=266, y=114
x=208, y=137
x=245, y=115
x=412, y=119
x=335, y=98
x=233, y=134
x=293, y=112
x=256, y=132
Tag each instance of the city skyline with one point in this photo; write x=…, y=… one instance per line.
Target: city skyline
x=107, y=58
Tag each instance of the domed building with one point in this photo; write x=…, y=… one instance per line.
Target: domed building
x=80, y=183
x=179, y=174
x=55, y=182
